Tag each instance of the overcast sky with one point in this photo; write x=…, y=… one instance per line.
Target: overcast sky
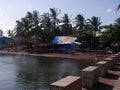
x=12, y=10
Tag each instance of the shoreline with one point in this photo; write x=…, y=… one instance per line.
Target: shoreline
x=77, y=55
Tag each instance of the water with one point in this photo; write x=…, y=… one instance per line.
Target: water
x=35, y=73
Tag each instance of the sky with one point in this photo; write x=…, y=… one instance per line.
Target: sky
x=12, y=10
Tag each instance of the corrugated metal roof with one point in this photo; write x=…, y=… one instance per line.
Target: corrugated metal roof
x=64, y=40
x=78, y=43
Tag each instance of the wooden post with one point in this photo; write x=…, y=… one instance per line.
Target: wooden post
x=67, y=83
x=89, y=76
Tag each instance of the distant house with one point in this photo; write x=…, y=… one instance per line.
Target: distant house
x=4, y=41
x=64, y=43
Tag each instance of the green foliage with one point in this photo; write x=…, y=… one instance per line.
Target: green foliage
x=46, y=26
x=111, y=34
x=85, y=35
x=105, y=37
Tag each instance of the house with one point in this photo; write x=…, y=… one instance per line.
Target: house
x=64, y=43
x=4, y=41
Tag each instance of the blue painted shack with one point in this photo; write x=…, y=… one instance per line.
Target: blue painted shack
x=65, y=43
x=4, y=41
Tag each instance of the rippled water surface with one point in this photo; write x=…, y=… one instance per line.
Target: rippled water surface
x=35, y=73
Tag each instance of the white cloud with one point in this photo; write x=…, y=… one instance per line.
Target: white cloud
x=5, y=28
x=6, y=25
x=109, y=10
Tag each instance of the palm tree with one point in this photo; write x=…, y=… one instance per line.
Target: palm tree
x=66, y=27
x=35, y=25
x=10, y=33
x=80, y=22
x=1, y=33
x=54, y=12
x=46, y=26
x=117, y=21
x=27, y=26
x=117, y=30
x=45, y=20
x=118, y=7
x=36, y=18
x=18, y=30
x=23, y=27
x=95, y=23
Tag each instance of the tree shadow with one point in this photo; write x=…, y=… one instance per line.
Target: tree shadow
x=100, y=86
x=111, y=76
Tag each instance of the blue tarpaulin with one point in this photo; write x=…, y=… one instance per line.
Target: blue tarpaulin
x=65, y=42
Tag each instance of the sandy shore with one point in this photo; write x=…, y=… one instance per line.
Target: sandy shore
x=77, y=55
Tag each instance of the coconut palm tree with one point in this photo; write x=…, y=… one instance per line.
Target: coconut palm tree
x=54, y=12
x=95, y=23
x=45, y=20
x=1, y=33
x=117, y=30
x=117, y=21
x=118, y=7
x=46, y=26
x=18, y=30
x=23, y=27
x=80, y=22
x=10, y=33
x=66, y=27
x=26, y=27
x=35, y=25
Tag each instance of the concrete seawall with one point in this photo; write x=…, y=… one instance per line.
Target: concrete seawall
x=99, y=77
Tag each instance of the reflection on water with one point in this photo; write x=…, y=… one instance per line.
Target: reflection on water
x=35, y=73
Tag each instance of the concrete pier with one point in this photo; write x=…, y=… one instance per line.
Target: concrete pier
x=102, y=67
x=67, y=83
x=114, y=58
x=89, y=76
x=110, y=62
x=118, y=56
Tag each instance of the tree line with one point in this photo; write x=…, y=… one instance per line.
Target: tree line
x=46, y=26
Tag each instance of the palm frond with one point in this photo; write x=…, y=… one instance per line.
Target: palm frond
x=118, y=7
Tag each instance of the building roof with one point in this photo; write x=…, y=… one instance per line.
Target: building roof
x=64, y=40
